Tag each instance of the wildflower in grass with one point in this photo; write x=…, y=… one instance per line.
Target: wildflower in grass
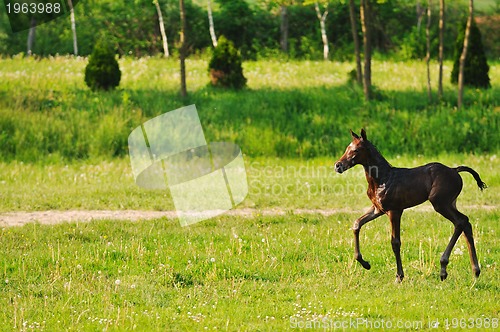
x=118, y=282
x=212, y=260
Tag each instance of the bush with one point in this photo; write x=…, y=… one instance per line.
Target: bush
x=225, y=66
x=412, y=45
x=102, y=71
x=476, y=68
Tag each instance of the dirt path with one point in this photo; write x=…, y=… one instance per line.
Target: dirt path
x=56, y=217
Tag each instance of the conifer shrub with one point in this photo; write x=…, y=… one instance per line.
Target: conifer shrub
x=102, y=71
x=225, y=67
x=476, y=67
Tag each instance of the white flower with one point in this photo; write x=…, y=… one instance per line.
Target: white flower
x=118, y=282
x=212, y=260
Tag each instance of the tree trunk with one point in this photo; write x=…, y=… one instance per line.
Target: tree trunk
x=73, y=26
x=31, y=37
x=428, y=55
x=211, y=27
x=366, y=26
x=162, y=29
x=441, y=48
x=324, y=37
x=354, y=29
x=182, y=51
x=284, y=28
x=420, y=14
x=464, y=55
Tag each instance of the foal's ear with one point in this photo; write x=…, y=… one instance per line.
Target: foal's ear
x=363, y=134
x=353, y=134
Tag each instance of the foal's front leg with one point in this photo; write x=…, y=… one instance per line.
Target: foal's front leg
x=369, y=216
x=395, y=217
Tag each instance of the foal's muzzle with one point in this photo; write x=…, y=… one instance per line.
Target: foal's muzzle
x=339, y=167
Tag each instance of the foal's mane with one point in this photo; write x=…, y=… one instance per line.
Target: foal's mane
x=376, y=155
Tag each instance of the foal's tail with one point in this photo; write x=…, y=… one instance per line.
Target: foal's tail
x=480, y=182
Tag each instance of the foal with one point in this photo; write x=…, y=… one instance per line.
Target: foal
x=393, y=189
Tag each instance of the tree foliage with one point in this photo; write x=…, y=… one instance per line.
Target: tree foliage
x=253, y=26
x=225, y=66
x=102, y=72
x=476, y=66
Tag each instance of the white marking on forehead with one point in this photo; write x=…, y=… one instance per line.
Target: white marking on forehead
x=351, y=145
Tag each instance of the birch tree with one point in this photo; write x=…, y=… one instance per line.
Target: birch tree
x=322, y=21
x=182, y=51
x=211, y=27
x=420, y=14
x=73, y=26
x=162, y=29
x=464, y=55
x=31, y=37
x=428, y=46
x=441, y=48
x=354, y=30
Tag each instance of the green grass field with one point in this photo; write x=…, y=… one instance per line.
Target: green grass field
x=289, y=110
x=273, y=183
x=235, y=273
x=63, y=147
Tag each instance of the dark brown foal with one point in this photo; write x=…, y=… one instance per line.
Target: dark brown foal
x=393, y=189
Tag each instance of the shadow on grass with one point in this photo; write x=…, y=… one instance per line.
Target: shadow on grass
x=303, y=123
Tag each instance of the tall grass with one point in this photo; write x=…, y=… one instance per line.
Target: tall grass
x=291, y=109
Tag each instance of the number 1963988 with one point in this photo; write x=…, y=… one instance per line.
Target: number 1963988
x=33, y=8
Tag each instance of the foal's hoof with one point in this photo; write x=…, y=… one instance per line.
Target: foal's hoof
x=361, y=261
x=444, y=275
x=365, y=264
x=477, y=272
x=399, y=279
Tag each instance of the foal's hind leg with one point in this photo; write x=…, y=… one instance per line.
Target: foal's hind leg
x=462, y=224
x=369, y=216
x=467, y=228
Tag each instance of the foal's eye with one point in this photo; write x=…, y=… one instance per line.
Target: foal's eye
x=355, y=150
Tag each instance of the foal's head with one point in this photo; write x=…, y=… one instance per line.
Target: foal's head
x=356, y=153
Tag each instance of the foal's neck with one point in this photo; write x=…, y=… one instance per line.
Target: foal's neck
x=377, y=168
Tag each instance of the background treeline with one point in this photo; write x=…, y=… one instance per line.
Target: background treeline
x=254, y=26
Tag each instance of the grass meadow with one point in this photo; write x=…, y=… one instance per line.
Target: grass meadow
x=289, y=110
x=284, y=266
x=262, y=273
